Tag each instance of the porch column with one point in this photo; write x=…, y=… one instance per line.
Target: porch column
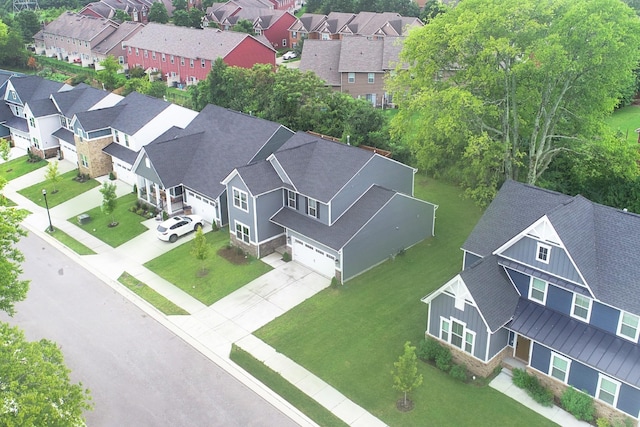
x=148, y=189
x=157, y=192
x=167, y=194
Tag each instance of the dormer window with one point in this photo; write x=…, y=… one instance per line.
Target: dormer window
x=291, y=199
x=543, y=252
x=628, y=326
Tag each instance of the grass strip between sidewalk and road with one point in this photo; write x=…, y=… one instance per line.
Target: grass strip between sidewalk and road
x=70, y=242
x=180, y=267
x=19, y=166
x=285, y=389
x=66, y=189
x=151, y=296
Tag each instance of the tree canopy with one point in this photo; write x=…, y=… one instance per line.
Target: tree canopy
x=403, y=7
x=158, y=13
x=497, y=89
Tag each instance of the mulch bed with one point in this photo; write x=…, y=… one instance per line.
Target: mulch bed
x=234, y=255
x=402, y=407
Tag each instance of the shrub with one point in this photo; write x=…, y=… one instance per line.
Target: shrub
x=140, y=211
x=578, y=404
x=443, y=359
x=214, y=226
x=334, y=282
x=286, y=257
x=428, y=349
x=135, y=189
x=459, y=372
x=533, y=387
x=133, y=209
x=112, y=176
x=603, y=422
x=165, y=216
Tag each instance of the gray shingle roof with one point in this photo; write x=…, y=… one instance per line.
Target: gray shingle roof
x=188, y=42
x=42, y=107
x=308, y=22
x=81, y=98
x=322, y=57
x=603, y=351
x=101, y=118
x=30, y=88
x=81, y=27
x=17, y=123
x=138, y=110
x=124, y=31
x=338, y=234
x=260, y=177
x=65, y=135
x=491, y=290
x=121, y=152
x=307, y=166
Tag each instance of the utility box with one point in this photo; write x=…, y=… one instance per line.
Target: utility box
x=83, y=219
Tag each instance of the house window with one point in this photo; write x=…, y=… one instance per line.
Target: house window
x=203, y=63
x=172, y=59
x=294, y=34
x=371, y=77
x=543, y=252
x=628, y=326
x=608, y=390
x=559, y=367
x=325, y=36
x=129, y=50
x=240, y=200
x=457, y=331
x=36, y=142
x=258, y=32
x=117, y=135
x=153, y=54
x=284, y=42
x=121, y=60
x=291, y=199
x=84, y=161
x=351, y=77
x=242, y=232
x=182, y=60
x=137, y=52
x=312, y=208
x=191, y=63
x=126, y=139
x=146, y=53
x=164, y=58
x=32, y=122
x=457, y=334
x=445, y=327
x=469, y=340
x=581, y=307
x=538, y=290
x=63, y=121
x=147, y=163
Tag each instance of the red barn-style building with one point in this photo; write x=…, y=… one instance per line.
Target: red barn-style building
x=184, y=56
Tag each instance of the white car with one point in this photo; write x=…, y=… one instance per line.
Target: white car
x=289, y=55
x=176, y=226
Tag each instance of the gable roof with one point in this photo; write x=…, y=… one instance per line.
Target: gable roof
x=80, y=27
x=307, y=166
x=30, y=88
x=307, y=22
x=322, y=57
x=138, y=110
x=100, y=118
x=80, y=98
x=125, y=30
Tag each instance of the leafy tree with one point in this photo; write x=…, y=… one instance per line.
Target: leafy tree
x=5, y=149
x=12, y=50
x=122, y=16
x=181, y=18
x=158, y=13
x=28, y=23
x=109, y=200
x=157, y=89
x=244, y=26
x=36, y=389
x=32, y=63
x=431, y=9
x=498, y=88
x=53, y=175
x=109, y=75
x=195, y=18
x=200, y=249
x=179, y=5
x=405, y=375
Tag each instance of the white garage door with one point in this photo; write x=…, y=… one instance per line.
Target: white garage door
x=123, y=172
x=69, y=152
x=314, y=258
x=201, y=206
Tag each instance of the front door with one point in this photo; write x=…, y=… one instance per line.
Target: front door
x=522, y=348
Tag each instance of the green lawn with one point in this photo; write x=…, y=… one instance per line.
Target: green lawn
x=150, y=295
x=626, y=120
x=66, y=189
x=70, y=242
x=285, y=389
x=129, y=223
x=18, y=167
x=351, y=336
x=182, y=269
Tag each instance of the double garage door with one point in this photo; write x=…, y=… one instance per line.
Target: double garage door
x=314, y=258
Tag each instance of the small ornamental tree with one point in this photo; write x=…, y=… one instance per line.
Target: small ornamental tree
x=109, y=201
x=405, y=376
x=53, y=175
x=5, y=148
x=200, y=249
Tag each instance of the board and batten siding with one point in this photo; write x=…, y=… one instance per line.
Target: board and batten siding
x=266, y=206
x=499, y=340
x=444, y=306
x=525, y=251
x=147, y=172
x=237, y=214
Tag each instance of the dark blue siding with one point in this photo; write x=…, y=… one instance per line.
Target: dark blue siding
x=583, y=378
x=540, y=357
x=604, y=317
x=520, y=280
x=469, y=259
x=629, y=400
x=560, y=300
x=525, y=251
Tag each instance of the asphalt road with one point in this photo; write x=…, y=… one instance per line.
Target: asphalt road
x=139, y=372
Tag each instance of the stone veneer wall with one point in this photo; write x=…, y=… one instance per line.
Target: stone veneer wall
x=47, y=154
x=99, y=163
x=270, y=246
x=474, y=366
x=251, y=249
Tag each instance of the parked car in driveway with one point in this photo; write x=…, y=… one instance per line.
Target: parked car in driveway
x=289, y=55
x=177, y=226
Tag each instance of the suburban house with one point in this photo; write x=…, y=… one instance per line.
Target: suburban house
x=108, y=139
x=550, y=280
x=184, y=56
x=273, y=24
x=84, y=39
x=336, y=25
x=339, y=210
x=288, y=5
x=187, y=165
x=5, y=111
x=354, y=65
x=35, y=91
x=138, y=10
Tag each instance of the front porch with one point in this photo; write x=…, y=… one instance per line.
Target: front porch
x=169, y=200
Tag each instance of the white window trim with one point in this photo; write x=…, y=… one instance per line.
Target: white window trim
x=239, y=199
x=449, y=321
x=546, y=290
x=615, y=397
x=547, y=247
x=473, y=340
x=242, y=225
x=371, y=78
x=566, y=374
x=291, y=201
x=619, y=330
x=315, y=214
x=351, y=77
x=573, y=306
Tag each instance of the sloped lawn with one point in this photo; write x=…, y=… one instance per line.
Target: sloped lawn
x=66, y=189
x=181, y=268
x=129, y=223
x=18, y=167
x=351, y=336
x=626, y=120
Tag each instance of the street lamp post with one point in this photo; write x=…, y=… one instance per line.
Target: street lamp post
x=46, y=203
